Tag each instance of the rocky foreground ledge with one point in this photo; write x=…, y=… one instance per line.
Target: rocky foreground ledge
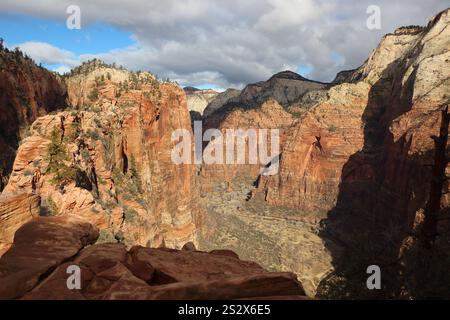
x=35, y=267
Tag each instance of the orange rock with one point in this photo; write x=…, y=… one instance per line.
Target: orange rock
x=14, y=212
x=39, y=246
x=36, y=268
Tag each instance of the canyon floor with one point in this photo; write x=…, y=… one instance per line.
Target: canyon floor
x=275, y=237
x=87, y=177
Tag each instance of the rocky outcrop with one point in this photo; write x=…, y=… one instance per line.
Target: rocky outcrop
x=220, y=100
x=39, y=247
x=14, y=212
x=26, y=92
x=285, y=87
x=109, y=161
x=198, y=100
x=316, y=150
x=36, y=268
x=84, y=81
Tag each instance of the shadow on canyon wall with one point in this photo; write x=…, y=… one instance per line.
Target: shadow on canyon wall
x=382, y=186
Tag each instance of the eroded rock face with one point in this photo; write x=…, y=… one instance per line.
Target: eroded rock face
x=36, y=268
x=354, y=170
x=220, y=100
x=14, y=212
x=110, y=161
x=316, y=150
x=39, y=246
x=271, y=115
x=375, y=132
x=197, y=100
x=287, y=88
x=26, y=92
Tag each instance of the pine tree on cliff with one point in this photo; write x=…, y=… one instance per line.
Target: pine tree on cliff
x=433, y=207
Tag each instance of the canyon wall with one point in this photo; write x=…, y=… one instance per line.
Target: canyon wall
x=109, y=161
x=26, y=92
x=354, y=171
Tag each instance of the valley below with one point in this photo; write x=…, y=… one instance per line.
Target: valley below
x=87, y=177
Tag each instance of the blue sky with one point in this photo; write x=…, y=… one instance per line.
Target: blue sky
x=208, y=43
x=96, y=38
x=92, y=39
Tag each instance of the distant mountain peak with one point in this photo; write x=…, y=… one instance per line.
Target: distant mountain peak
x=290, y=75
x=191, y=89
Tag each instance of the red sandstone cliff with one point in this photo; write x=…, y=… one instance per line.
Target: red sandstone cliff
x=354, y=170
x=26, y=92
x=109, y=161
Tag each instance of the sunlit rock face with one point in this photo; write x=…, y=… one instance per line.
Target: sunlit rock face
x=197, y=100
x=26, y=92
x=45, y=249
x=350, y=188
x=354, y=166
x=112, y=164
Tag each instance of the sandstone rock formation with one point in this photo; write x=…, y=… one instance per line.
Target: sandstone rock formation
x=14, y=212
x=40, y=246
x=198, y=100
x=109, y=161
x=355, y=165
x=373, y=130
x=287, y=88
x=271, y=115
x=351, y=182
x=26, y=92
x=220, y=100
x=36, y=268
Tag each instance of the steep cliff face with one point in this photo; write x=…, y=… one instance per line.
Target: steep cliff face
x=319, y=145
x=271, y=115
x=360, y=159
x=378, y=128
x=198, y=100
x=109, y=161
x=354, y=169
x=220, y=100
x=26, y=92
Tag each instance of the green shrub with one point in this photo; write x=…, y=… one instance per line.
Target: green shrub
x=135, y=177
x=56, y=157
x=76, y=132
x=48, y=208
x=332, y=128
x=93, y=95
x=130, y=215
x=36, y=163
x=93, y=135
x=85, y=155
x=106, y=236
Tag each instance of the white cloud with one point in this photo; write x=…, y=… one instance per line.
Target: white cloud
x=290, y=13
x=234, y=42
x=62, y=69
x=45, y=53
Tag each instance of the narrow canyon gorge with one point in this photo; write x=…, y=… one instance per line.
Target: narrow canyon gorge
x=87, y=178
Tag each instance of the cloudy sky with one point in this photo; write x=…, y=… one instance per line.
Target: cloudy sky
x=208, y=43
